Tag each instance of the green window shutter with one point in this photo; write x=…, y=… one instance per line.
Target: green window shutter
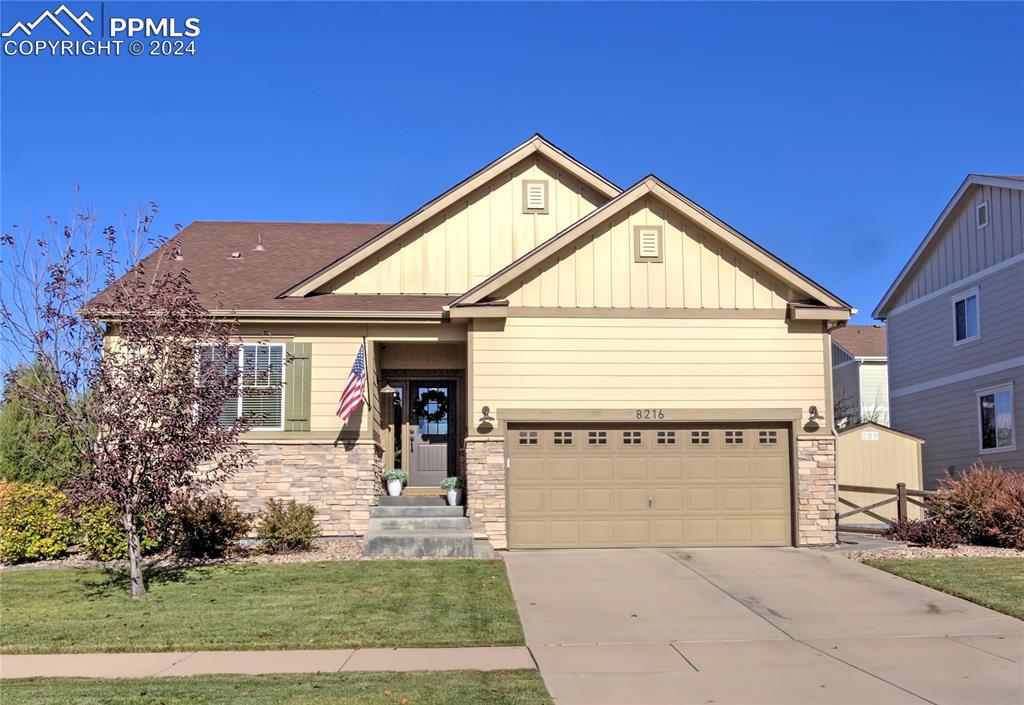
x=296, y=389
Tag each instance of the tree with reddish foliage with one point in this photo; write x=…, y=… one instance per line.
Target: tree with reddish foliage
x=139, y=371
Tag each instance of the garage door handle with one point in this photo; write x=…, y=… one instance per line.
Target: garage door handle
x=650, y=502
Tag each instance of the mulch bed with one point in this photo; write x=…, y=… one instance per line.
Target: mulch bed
x=332, y=550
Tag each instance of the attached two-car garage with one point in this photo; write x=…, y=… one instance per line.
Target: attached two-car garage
x=587, y=485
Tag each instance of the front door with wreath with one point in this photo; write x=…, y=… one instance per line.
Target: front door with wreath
x=431, y=432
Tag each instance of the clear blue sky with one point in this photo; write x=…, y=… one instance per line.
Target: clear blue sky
x=832, y=134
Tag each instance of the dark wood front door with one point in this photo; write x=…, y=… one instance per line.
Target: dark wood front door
x=431, y=431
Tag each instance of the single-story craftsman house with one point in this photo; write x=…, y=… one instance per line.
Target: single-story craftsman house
x=602, y=366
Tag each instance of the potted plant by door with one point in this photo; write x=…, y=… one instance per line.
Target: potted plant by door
x=451, y=484
x=394, y=478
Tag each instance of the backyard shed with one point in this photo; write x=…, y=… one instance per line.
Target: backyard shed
x=872, y=455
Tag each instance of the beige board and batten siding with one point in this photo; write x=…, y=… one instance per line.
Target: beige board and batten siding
x=873, y=455
x=961, y=249
x=472, y=239
x=623, y=363
x=696, y=270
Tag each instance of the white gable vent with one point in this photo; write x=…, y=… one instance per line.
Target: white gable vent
x=535, y=196
x=647, y=243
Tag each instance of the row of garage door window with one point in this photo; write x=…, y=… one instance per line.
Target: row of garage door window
x=662, y=438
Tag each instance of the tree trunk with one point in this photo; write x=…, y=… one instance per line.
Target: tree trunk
x=134, y=556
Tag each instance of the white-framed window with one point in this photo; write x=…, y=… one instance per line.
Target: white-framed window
x=260, y=368
x=995, y=419
x=966, y=317
x=982, y=214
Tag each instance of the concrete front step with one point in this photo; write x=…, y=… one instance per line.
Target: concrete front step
x=407, y=510
x=419, y=544
x=407, y=523
x=413, y=500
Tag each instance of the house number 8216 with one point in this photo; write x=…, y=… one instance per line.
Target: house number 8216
x=649, y=414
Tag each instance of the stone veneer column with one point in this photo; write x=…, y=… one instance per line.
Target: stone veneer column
x=485, y=489
x=816, y=490
x=341, y=483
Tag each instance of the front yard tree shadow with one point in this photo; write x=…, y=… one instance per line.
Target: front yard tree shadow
x=117, y=580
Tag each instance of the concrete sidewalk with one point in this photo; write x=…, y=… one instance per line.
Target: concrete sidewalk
x=195, y=663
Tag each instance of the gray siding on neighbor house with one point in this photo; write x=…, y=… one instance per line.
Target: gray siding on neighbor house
x=933, y=383
x=961, y=249
x=947, y=418
x=920, y=338
x=846, y=387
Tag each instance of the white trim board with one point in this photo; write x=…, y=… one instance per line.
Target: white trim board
x=959, y=377
x=957, y=285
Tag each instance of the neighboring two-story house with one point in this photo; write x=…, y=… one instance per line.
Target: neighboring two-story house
x=860, y=376
x=955, y=322
x=602, y=366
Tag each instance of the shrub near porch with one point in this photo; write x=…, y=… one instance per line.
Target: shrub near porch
x=262, y=607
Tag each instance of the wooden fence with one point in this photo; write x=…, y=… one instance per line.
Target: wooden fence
x=900, y=496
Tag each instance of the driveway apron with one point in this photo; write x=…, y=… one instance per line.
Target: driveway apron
x=752, y=626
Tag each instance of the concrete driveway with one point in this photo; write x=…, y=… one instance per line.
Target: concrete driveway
x=755, y=626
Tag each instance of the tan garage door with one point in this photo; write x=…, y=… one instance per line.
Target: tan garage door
x=590, y=486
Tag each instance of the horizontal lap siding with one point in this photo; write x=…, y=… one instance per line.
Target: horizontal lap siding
x=947, y=418
x=846, y=386
x=333, y=350
x=921, y=338
x=874, y=391
x=623, y=363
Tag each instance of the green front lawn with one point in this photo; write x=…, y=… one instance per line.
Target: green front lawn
x=260, y=607
x=997, y=583
x=417, y=688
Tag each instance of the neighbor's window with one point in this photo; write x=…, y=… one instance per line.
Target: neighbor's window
x=597, y=438
x=965, y=317
x=995, y=419
x=260, y=370
x=563, y=438
x=982, y=214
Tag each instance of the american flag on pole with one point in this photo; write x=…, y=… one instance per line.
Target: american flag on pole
x=352, y=396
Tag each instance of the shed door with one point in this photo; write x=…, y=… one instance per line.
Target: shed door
x=614, y=486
